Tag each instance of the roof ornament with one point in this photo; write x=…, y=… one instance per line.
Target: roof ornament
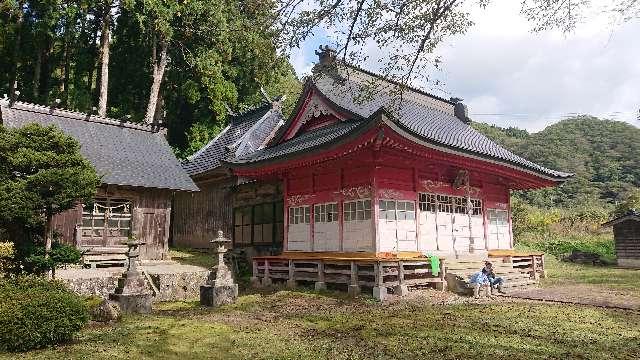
x=326, y=55
x=460, y=110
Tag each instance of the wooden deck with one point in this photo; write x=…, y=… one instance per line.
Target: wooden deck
x=381, y=272
x=531, y=262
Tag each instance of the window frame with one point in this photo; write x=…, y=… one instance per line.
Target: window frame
x=273, y=222
x=434, y=203
x=92, y=212
x=356, y=210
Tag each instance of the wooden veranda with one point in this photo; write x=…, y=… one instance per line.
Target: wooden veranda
x=380, y=272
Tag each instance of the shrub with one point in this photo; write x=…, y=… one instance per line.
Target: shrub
x=30, y=258
x=6, y=256
x=560, y=245
x=36, y=312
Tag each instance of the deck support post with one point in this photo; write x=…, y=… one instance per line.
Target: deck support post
x=534, y=268
x=442, y=285
x=266, y=280
x=543, y=273
x=354, y=288
x=255, y=278
x=291, y=282
x=379, y=291
x=320, y=284
x=401, y=289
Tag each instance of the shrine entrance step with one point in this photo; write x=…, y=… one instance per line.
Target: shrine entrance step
x=102, y=256
x=460, y=270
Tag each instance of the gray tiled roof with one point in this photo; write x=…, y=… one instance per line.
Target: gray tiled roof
x=122, y=153
x=418, y=115
x=246, y=133
x=311, y=139
x=422, y=115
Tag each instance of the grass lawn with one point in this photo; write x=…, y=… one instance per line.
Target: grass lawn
x=297, y=325
x=304, y=325
x=203, y=258
x=563, y=273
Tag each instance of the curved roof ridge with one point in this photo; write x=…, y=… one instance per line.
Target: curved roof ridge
x=397, y=83
x=77, y=115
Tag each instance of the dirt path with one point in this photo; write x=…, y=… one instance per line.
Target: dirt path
x=582, y=294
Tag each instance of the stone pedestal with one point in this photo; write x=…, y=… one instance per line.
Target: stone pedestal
x=291, y=284
x=211, y=295
x=380, y=293
x=401, y=290
x=133, y=303
x=132, y=293
x=354, y=290
x=220, y=288
x=255, y=282
x=320, y=285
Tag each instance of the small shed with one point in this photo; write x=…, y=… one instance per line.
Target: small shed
x=139, y=175
x=626, y=232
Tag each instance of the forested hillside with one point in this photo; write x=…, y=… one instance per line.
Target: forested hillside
x=604, y=155
x=174, y=62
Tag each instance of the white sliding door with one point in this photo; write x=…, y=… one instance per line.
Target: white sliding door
x=397, y=225
x=357, y=226
x=326, y=236
x=499, y=233
x=427, y=222
x=299, y=231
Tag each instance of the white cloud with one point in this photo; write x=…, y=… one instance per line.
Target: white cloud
x=531, y=80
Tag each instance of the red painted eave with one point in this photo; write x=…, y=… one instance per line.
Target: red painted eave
x=514, y=177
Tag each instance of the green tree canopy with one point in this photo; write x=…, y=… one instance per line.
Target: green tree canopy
x=604, y=155
x=42, y=173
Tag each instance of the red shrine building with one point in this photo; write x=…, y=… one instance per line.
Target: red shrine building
x=361, y=171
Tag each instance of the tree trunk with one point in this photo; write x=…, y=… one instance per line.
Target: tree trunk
x=104, y=56
x=36, y=75
x=67, y=68
x=158, y=74
x=93, y=64
x=48, y=240
x=15, y=56
x=45, y=77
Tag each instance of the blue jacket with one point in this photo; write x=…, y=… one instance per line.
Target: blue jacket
x=479, y=278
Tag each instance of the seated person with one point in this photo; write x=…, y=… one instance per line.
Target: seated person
x=494, y=281
x=478, y=280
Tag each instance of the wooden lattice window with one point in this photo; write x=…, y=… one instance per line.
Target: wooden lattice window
x=107, y=218
x=261, y=224
x=357, y=210
x=460, y=205
x=445, y=203
x=427, y=202
x=300, y=215
x=476, y=207
x=325, y=212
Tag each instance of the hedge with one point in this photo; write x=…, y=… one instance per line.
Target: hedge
x=36, y=312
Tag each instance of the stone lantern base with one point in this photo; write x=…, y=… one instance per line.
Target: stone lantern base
x=133, y=303
x=211, y=295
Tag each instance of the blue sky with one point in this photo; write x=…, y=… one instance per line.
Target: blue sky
x=509, y=76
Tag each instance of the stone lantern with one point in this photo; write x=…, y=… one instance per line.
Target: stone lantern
x=220, y=288
x=133, y=293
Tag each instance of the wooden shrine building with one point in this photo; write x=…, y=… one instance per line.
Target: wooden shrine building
x=368, y=175
x=139, y=176
x=626, y=233
x=252, y=211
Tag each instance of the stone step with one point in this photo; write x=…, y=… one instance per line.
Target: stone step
x=97, y=250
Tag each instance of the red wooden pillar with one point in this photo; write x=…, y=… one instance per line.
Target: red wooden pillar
x=375, y=211
x=285, y=207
